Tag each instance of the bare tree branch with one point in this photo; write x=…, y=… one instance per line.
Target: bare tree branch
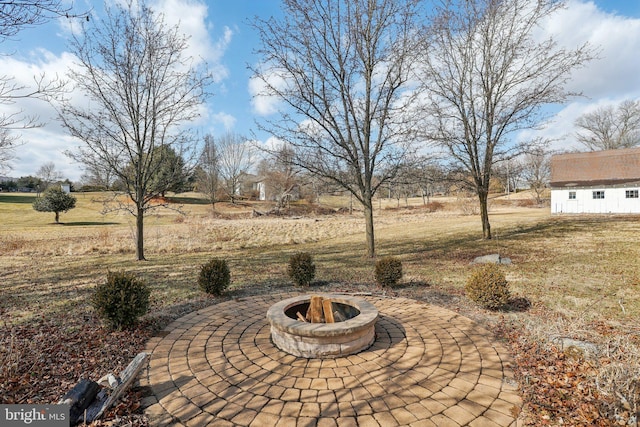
x=16, y=15
x=141, y=91
x=280, y=175
x=235, y=160
x=611, y=127
x=487, y=77
x=536, y=170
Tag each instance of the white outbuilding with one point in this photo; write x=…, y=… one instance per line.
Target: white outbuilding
x=596, y=182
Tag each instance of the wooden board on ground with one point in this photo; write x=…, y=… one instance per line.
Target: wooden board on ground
x=127, y=376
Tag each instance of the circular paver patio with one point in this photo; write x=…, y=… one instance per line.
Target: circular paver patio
x=428, y=367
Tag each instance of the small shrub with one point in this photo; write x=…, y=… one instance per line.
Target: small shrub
x=54, y=200
x=435, y=206
x=468, y=205
x=301, y=268
x=121, y=300
x=388, y=271
x=488, y=287
x=526, y=203
x=214, y=277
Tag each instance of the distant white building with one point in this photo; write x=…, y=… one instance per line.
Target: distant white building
x=596, y=182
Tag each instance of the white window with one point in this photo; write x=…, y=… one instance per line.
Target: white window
x=631, y=194
x=598, y=194
x=572, y=195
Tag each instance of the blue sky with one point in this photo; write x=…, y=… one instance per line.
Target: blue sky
x=220, y=33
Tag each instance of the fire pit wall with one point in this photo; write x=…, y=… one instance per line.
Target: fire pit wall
x=323, y=340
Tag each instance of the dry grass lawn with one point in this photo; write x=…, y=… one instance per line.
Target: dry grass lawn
x=578, y=271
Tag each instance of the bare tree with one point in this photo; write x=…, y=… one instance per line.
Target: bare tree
x=536, y=170
x=509, y=173
x=280, y=175
x=236, y=158
x=343, y=72
x=402, y=187
x=208, y=173
x=48, y=174
x=428, y=177
x=142, y=91
x=487, y=77
x=611, y=127
x=98, y=175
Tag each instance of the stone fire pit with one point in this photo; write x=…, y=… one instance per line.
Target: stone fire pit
x=352, y=332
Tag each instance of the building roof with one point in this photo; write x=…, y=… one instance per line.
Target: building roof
x=596, y=168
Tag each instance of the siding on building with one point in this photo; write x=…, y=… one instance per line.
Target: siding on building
x=614, y=201
x=596, y=182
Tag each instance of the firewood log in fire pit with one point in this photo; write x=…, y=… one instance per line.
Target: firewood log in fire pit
x=320, y=310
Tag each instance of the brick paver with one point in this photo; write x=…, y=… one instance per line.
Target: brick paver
x=428, y=366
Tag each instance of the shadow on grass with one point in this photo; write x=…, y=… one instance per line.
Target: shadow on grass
x=463, y=247
x=188, y=200
x=517, y=305
x=562, y=226
x=87, y=223
x=412, y=284
x=17, y=199
x=508, y=241
x=317, y=284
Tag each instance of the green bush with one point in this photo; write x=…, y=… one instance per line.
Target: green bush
x=301, y=268
x=121, y=300
x=54, y=200
x=488, y=287
x=214, y=277
x=388, y=271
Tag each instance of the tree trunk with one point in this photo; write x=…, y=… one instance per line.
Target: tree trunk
x=57, y=217
x=368, y=219
x=140, y=235
x=484, y=214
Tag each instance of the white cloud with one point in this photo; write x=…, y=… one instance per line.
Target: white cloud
x=47, y=143
x=262, y=101
x=271, y=144
x=44, y=145
x=191, y=18
x=227, y=120
x=617, y=39
x=560, y=130
x=611, y=78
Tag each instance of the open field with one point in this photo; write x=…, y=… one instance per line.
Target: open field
x=580, y=274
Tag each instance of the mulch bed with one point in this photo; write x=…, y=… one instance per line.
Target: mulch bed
x=43, y=359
